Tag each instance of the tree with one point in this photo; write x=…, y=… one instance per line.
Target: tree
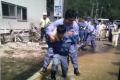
x=103, y=8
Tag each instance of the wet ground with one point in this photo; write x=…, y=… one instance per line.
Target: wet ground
x=20, y=61
x=102, y=65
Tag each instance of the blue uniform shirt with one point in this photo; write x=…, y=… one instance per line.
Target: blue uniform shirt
x=73, y=28
x=92, y=30
x=62, y=46
x=82, y=25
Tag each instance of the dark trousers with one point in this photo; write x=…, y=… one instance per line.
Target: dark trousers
x=58, y=59
x=110, y=36
x=42, y=33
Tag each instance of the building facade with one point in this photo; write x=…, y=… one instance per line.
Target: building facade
x=18, y=14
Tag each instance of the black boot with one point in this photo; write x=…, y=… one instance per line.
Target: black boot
x=53, y=75
x=76, y=72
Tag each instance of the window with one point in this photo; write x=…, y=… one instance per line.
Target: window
x=11, y=10
x=24, y=12
x=5, y=9
x=8, y=10
x=21, y=13
x=14, y=11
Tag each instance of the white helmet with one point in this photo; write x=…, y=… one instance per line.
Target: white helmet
x=44, y=13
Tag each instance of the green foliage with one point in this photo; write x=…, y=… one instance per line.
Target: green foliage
x=106, y=8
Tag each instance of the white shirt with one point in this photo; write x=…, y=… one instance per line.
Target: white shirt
x=45, y=22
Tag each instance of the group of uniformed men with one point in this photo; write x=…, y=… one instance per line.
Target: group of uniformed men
x=62, y=37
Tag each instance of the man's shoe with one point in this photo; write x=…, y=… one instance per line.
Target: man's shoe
x=43, y=70
x=76, y=72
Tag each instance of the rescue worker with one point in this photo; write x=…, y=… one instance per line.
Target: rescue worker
x=91, y=37
x=82, y=29
x=61, y=51
x=72, y=30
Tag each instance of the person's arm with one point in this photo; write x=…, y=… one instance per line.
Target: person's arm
x=75, y=35
x=51, y=28
x=40, y=23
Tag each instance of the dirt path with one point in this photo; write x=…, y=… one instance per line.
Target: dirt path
x=19, y=61
x=103, y=65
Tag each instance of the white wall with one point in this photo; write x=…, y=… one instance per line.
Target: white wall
x=35, y=9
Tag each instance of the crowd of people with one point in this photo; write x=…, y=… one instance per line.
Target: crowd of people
x=63, y=36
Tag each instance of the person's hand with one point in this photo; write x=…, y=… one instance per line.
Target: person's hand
x=69, y=33
x=52, y=38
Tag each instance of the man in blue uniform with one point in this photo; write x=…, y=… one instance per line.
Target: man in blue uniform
x=82, y=29
x=91, y=36
x=61, y=51
x=72, y=30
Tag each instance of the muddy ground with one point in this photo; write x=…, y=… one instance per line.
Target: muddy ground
x=20, y=61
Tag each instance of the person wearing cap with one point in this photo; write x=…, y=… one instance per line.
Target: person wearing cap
x=44, y=22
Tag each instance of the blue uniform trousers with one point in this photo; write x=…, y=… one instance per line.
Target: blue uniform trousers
x=91, y=40
x=62, y=60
